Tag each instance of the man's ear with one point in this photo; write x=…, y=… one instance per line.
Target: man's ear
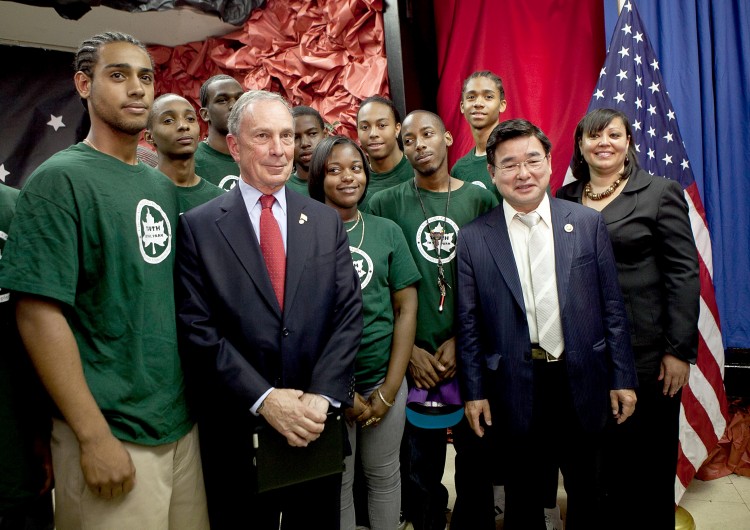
x=233, y=147
x=203, y=111
x=448, y=138
x=149, y=137
x=83, y=84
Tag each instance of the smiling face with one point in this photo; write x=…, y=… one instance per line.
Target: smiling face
x=377, y=130
x=121, y=90
x=264, y=145
x=307, y=134
x=345, y=178
x=173, y=130
x=481, y=103
x=426, y=143
x=521, y=187
x=605, y=151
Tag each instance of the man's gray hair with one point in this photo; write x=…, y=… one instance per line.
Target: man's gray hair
x=248, y=98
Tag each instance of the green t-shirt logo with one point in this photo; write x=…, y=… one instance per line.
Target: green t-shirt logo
x=154, y=232
x=229, y=182
x=446, y=244
x=362, y=265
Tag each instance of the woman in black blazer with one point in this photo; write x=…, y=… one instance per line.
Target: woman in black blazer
x=657, y=261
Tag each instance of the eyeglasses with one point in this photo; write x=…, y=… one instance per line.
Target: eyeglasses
x=532, y=165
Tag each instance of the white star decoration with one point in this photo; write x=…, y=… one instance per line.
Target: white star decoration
x=624, y=51
x=599, y=94
x=667, y=159
x=655, y=65
x=3, y=172
x=650, y=153
x=668, y=137
x=620, y=98
x=637, y=125
x=654, y=87
x=651, y=110
x=685, y=164
x=627, y=30
x=602, y=72
x=670, y=114
x=638, y=36
x=638, y=59
x=622, y=75
x=638, y=103
x=651, y=132
x=55, y=122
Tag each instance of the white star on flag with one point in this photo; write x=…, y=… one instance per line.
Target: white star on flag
x=3, y=172
x=55, y=122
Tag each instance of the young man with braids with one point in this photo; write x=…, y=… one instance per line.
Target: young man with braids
x=96, y=314
x=212, y=159
x=482, y=102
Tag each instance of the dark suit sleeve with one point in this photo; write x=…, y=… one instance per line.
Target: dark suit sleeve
x=678, y=262
x=468, y=324
x=333, y=373
x=615, y=319
x=203, y=347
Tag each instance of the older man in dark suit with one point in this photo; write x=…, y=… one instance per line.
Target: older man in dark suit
x=543, y=337
x=269, y=308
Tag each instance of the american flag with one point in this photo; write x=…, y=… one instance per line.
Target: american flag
x=631, y=82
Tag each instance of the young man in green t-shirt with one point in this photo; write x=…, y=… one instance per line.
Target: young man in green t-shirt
x=173, y=129
x=430, y=209
x=96, y=311
x=309, y=130
x=378, y=127
x=482, y=102
x=212, y=159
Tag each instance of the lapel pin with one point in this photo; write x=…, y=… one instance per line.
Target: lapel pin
x=302, y=218
x=568, y=227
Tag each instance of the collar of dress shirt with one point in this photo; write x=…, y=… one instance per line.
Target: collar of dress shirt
x=251, y=196
x=543, y=210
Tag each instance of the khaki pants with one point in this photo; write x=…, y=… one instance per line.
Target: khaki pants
x=168, y=494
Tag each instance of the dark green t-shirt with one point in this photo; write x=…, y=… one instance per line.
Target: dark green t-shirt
x=219, y=169
x=96, y=234
x=192, y=196
x=401, y=172
x=401, y=205
x=297, y=184
x=23, y=412
x=384, y=265
x=473, y=168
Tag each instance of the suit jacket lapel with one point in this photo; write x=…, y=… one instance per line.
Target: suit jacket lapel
x=498, y=243
x=298, y=234
x=564, y=235
x=237, y=229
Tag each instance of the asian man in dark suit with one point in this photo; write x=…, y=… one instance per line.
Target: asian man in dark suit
x=543, y=342
x=270, y=316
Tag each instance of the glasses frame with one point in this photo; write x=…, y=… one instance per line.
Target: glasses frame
x=515, y=169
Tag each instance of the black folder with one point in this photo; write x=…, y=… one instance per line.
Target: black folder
x=278, y=464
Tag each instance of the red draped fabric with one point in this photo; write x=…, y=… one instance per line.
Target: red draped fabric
x=328, y=54
x=547, y=52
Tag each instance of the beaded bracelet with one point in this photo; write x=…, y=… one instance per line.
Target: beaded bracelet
x=389, y=405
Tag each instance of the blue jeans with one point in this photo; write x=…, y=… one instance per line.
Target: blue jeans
x=378, y=448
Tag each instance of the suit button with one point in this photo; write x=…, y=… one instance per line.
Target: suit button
x=285, y=332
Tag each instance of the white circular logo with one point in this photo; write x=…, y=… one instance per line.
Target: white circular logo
x=446, y=243
x=154, y=231
x=363, y=266
x=229, y=182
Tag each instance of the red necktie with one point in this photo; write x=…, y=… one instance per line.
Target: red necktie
x=272, y=247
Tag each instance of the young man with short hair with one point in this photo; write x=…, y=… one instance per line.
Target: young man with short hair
x=96, y=312
x=482, y=102
x=378, y=127
x=173, y=129
x=430, y=208
x=309, y=130
x=212, y=159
